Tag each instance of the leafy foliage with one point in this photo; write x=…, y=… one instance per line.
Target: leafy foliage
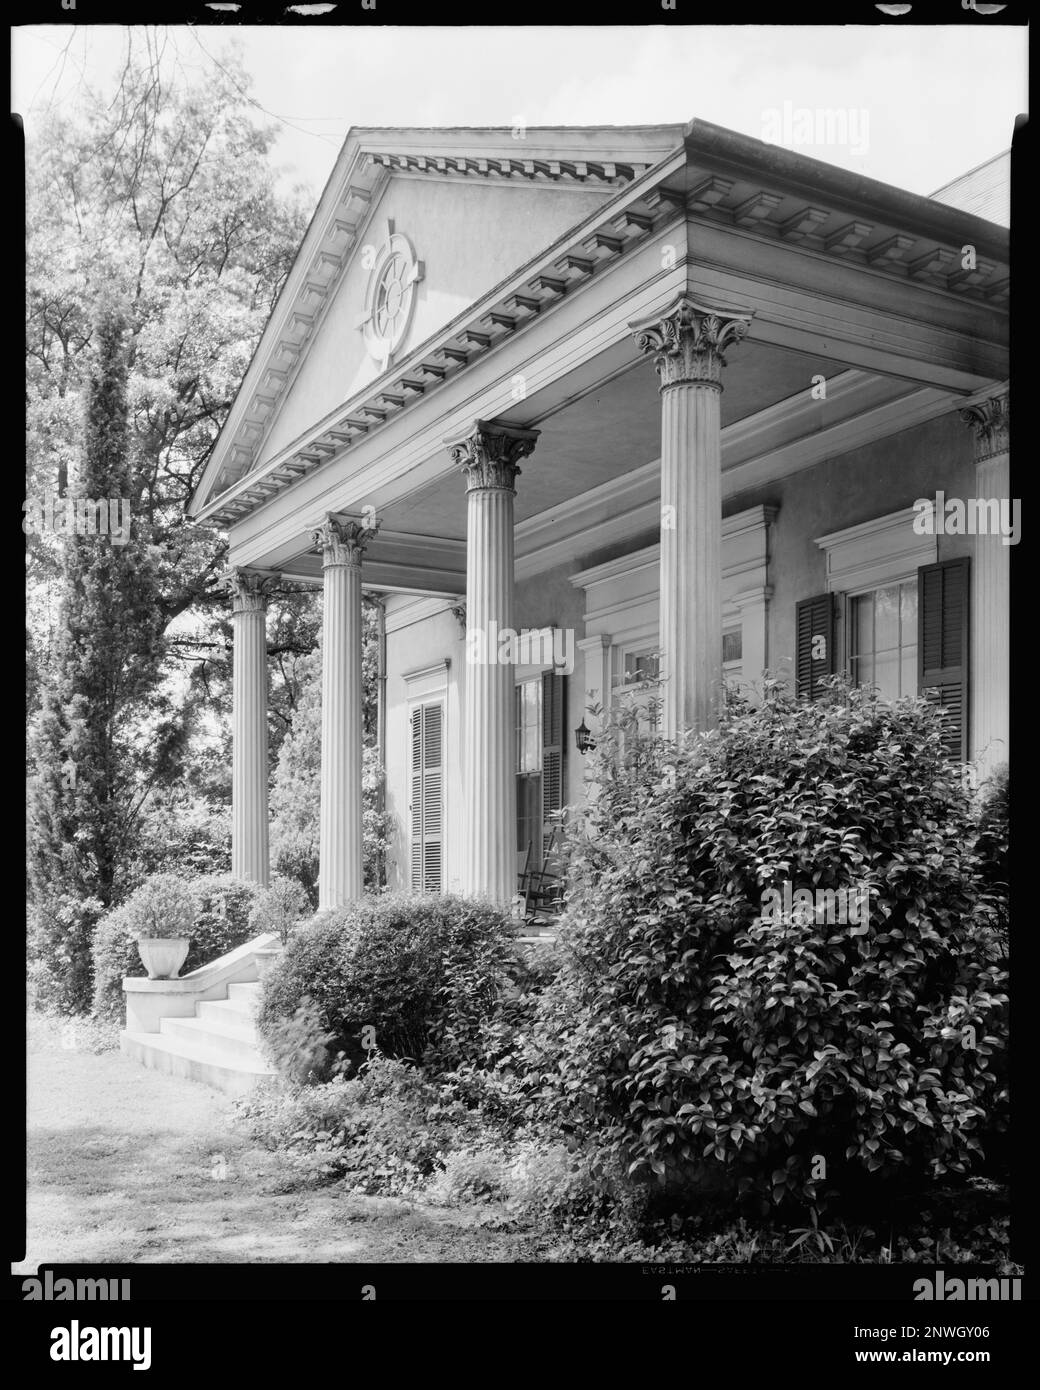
x=423, y=973
x=296, y=788
x=60, y=931
x=383, y=1131
x=725, y=1052
x=221, y=909
x=106, y=659
x=278, y=908
x=993, y=847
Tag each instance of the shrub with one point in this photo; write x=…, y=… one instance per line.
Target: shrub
x=163, y=906
x=301, y=1048
x=578, y=1195
x=278, y=908
x=475, y=1173
x=384, y=1131
x=724, y=1050
x=491, y=1075
x=60, y=931
x=221, y=922
x=992, y=845
x=423, y=973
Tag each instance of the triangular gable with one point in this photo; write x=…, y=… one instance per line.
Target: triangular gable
x=413, y=227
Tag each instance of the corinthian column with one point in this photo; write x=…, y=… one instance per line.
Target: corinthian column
x=991, y=588
x=249, y=856
x=340, y=872
x=489, y=455
x=687, y=345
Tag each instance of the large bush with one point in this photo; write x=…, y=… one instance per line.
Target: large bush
x=726, y=1050
x=384, y=1131
x=423, y=973
x=222, y=909
x=60, y=930
x=993, y=846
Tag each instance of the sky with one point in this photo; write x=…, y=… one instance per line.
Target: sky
x=926, y=103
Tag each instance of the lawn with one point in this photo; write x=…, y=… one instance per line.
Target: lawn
x=126, y=1165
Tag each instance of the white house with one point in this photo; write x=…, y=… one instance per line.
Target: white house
x=667, y=392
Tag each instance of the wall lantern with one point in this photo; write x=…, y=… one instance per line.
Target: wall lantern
x=583, y=738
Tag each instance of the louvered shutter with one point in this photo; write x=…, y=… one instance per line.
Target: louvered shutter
x=553, y=720
x=943, y=596
x=427, y=798
x=417, y=799
x=433, y=804
x=815, y=634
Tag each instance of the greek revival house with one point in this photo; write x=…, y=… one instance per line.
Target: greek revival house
x=593, y=411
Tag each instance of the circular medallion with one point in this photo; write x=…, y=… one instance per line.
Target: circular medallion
x=390, y=298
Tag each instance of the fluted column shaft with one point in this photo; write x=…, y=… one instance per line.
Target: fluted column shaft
x=991, y=590
x=249, y=842
x=489, y=455
x=687, y=346
x=340, y=860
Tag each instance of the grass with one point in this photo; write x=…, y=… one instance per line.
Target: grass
x=126, y=1165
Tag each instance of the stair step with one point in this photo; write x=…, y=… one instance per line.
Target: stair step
x=215, y=1034
x=234, y=1013
x=248, y=992
x=181, y=1056
x=233, y=1020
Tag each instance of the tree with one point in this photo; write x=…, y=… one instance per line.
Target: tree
x=91, y=761
x=160, y=204
x=296, y=791
x=164, y=196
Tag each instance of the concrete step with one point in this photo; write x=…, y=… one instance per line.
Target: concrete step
x=227, y=1022
x=249, y=993
x=222, y=1041
x=195, y=1061
x=234, y=1014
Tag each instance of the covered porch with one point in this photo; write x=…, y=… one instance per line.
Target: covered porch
x=736, y=316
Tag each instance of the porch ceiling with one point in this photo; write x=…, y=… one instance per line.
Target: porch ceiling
x=608, y=431
x=596, y=458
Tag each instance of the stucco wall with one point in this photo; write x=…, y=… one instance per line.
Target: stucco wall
x=860, y=486
x=409, y=649
x=449, y=226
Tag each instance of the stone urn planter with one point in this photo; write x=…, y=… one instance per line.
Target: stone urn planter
x=265, y=956
x=163, y=956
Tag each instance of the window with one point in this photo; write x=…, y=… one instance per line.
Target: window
x=539, y=722
x=733, y=656
x=640, y=667
x=529, y=726
x=883, y=639
x=390, y=297
x=427, y=808
x=528, y=698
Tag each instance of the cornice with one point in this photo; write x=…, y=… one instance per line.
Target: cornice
x=782, y=198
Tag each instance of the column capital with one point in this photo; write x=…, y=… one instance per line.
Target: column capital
x=247, y=589
x=489, y=453
x=342, y=542
x=990, y=420
x=688, y=341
